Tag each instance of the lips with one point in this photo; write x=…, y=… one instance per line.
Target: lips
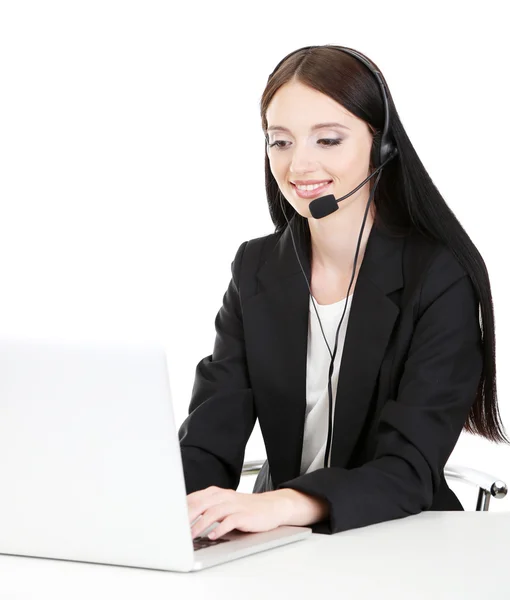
x=311, y=193
x=310, y=181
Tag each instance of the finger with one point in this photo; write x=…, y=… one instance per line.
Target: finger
x=217, y=513
x=204, y=503
x=226, y=526
x=199, y=510
x=199, y=501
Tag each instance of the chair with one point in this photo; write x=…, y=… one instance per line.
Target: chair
x=488, y=485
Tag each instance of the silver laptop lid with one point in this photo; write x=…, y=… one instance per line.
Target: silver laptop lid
x=90, y=464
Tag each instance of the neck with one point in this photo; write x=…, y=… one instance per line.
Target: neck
x=334, y=238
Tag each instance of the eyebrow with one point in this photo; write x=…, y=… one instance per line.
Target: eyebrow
x=314, y=127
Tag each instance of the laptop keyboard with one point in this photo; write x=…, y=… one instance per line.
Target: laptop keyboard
x=204, y=542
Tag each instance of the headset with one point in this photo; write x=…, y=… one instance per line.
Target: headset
x=325, y=205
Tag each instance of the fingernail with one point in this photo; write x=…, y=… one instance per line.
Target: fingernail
x=212, y=535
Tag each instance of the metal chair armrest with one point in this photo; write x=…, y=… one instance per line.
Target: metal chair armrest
x=252, y=467
x=488, y=484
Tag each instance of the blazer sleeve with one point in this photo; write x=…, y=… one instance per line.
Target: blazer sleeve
x=221, y=413
x=418, y=429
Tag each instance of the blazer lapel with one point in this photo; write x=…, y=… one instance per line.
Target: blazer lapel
x=371, y=321
x=276, y=319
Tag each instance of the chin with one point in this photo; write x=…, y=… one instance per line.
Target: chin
x=303, y=209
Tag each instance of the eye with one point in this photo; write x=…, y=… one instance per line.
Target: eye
x=331, y=142
x=276, y=144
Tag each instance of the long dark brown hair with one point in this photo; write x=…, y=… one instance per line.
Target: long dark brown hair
x=405, y=198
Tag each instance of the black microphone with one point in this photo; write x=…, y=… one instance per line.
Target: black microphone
x=325, y=205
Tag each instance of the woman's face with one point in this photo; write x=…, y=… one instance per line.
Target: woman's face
x=304, y=145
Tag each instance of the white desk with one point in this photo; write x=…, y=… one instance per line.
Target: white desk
x=433, y=555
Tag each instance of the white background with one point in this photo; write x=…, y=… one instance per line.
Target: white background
x=131, y=158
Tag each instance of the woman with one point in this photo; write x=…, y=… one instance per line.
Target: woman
x=417, y=361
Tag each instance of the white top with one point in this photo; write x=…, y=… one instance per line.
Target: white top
x=317, y=369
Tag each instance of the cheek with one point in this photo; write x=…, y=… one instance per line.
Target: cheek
x=278, y=168
x=352, y=164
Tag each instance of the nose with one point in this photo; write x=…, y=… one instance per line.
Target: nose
x=302, y=160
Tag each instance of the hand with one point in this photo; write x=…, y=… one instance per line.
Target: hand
x=235, y=510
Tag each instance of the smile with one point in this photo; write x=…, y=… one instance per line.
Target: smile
x=310, y=191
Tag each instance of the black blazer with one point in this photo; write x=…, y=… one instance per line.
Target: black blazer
x=411, y=364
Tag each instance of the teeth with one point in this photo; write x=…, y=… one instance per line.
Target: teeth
x=309, y=188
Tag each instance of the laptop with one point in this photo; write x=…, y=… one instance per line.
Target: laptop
x=90, y=462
